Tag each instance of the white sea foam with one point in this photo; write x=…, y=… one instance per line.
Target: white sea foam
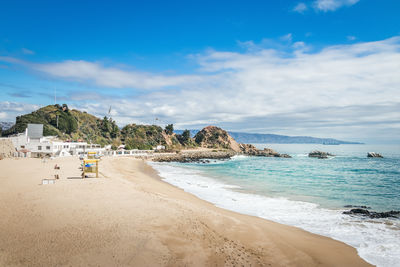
x=239, y=157
x=301, y=155
x=376, y=241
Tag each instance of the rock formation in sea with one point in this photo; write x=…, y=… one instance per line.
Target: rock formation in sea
x=251, y=150
x=374, y=155
x=320, y=154
x=373, y=214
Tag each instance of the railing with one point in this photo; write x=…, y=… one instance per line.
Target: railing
x=132, y=153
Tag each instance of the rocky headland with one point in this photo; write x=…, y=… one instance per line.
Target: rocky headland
x=216, y=143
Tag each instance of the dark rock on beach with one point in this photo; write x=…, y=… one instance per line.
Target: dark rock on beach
x=374, y=155
x=320, y=154
x=373, y=214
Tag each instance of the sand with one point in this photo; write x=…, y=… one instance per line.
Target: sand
x=128, y=217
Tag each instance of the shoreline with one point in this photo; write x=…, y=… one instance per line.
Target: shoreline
x=132, y=217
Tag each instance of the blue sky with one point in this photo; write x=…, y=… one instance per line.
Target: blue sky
x=327, y=68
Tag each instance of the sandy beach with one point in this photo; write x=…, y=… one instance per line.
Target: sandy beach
x=129, y=217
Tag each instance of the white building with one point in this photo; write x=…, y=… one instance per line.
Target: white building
x=38, y=145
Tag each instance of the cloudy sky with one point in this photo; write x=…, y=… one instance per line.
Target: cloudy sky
x=323, y=68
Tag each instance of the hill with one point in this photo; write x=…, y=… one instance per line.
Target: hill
x=68, y=124
x=214, y=137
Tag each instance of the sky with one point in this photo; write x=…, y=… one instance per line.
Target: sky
x=322, y=68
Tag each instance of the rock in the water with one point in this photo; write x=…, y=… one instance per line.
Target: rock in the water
x=373, y=214
x=320, y=154
x=251, y=150
x=353, y=206
x=357, y=211
x=374, y=155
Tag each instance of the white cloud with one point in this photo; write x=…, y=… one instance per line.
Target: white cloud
x=351, y=38
x=100, y=75
x=300, y=8
x=332, y=5
x=341, y=91
x=10, y=110
x=27, y=51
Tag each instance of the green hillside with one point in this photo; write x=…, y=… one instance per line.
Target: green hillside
x=68, y=124
x=142, y=136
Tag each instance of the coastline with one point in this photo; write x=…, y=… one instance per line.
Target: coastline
x=132, y=217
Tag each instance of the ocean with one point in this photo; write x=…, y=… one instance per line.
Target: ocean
x=308, y=193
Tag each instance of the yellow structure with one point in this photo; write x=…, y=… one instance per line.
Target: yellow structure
x=91, y=166
x=91, y=155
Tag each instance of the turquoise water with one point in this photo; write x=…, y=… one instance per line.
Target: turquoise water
x=350, y=178
x=306, y=192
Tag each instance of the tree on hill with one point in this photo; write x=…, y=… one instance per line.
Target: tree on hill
x=169, y=129
x=109, y=128
x=115, y=131
x=186, y=135
x=184, y=138
x=106, y=124
x=63, y=120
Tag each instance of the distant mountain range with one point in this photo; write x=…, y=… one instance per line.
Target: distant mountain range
x=5, y=125
x=255, y=138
